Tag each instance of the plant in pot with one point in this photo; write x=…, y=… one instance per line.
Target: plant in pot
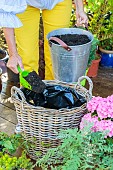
x=106, y=51
x=100, y=14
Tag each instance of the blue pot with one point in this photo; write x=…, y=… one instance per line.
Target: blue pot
x=106, y=58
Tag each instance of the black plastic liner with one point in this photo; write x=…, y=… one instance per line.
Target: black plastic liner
x=54, y=97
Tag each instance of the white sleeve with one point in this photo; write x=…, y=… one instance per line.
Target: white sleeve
x=8, y=11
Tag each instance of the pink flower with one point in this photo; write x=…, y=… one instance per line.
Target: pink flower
x=100, y=112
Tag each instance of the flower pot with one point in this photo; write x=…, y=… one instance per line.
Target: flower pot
x=93, y=69
x=106, y=58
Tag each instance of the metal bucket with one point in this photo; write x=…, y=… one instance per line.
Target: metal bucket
x=69, y=62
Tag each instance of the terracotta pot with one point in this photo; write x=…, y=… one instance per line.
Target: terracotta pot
x=93, y=69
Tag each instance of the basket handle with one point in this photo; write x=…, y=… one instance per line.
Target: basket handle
x=89, y=81
x=59, y=41
x=14, y=91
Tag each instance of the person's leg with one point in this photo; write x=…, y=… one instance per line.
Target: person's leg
x=59, y=17
x=27, y=38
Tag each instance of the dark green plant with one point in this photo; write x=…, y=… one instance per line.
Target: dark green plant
x=80, y=150
x=100, y=15
x=107, y=44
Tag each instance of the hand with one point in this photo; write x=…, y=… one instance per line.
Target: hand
x=82, y=19
x=13, y=62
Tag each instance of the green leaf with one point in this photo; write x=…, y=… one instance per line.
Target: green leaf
x=7, y=144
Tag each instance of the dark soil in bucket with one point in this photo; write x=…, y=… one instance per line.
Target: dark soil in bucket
x=73, y=39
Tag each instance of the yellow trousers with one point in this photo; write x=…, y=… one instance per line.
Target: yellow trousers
x=27, y=36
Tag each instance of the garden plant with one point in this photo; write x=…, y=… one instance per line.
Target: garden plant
x=100, y=14
x=100, y=113
x=8, y=147
x=8, y=162
x=80, y=150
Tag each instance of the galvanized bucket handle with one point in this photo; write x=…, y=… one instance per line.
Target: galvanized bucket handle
x=59, y=41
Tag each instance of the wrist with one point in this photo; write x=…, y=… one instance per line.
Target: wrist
x=13, y=53
x=79, y=5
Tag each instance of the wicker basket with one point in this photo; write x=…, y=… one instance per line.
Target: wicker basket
x=43, y=123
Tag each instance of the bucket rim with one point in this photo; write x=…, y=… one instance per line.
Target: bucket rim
x=63, y=29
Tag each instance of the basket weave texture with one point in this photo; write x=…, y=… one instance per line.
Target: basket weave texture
x=43, y=123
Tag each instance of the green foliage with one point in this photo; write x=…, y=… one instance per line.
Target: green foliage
x=73, y=18
x=93, y=50
x=80, y=150
x=10, y=143
x=100, y=15
x=13, y=163
x=107, y=44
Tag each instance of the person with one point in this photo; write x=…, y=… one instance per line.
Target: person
x=20, y=22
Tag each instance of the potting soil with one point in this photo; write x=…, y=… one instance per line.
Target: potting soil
x=73, y=39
